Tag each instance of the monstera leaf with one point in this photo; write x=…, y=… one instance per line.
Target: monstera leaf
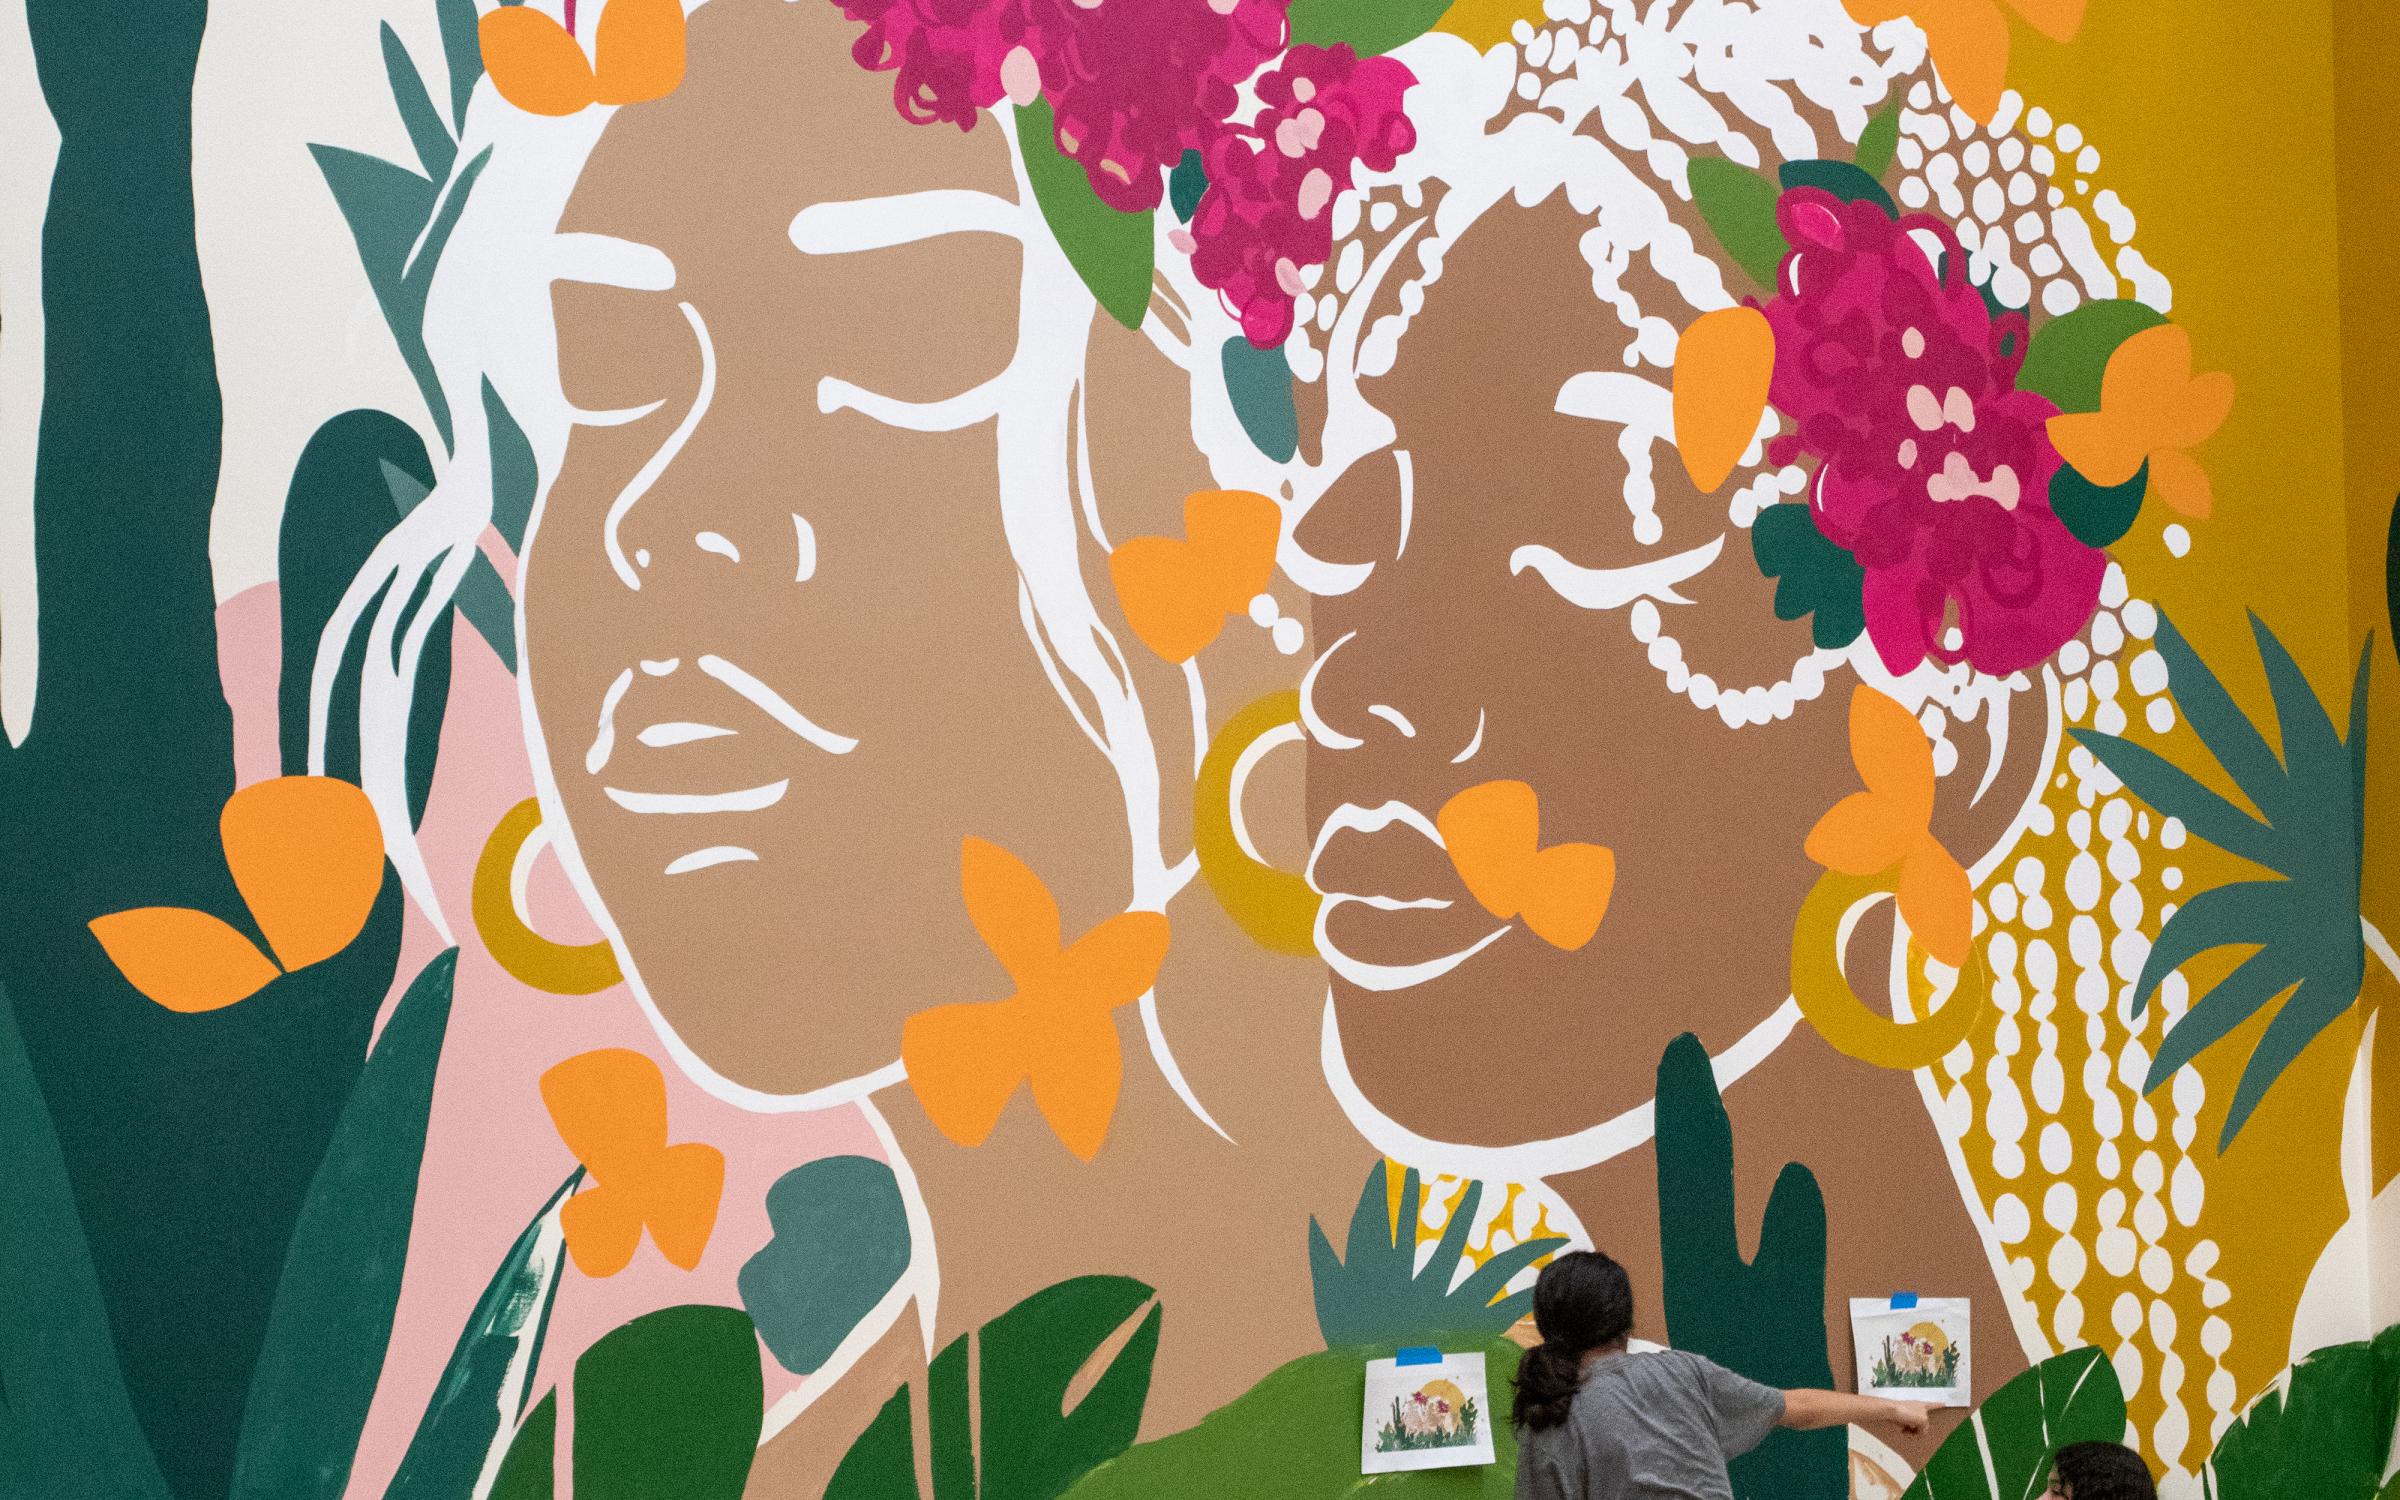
x=2323, y=1430
x=1379, y=1294
x=2003, y=1451
x=1037, y=1438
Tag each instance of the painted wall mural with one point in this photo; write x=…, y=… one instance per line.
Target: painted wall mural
x=929, y=749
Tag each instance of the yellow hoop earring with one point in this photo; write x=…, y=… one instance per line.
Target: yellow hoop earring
x=529, y=957
x=1275, y=907
x=1834, y=1008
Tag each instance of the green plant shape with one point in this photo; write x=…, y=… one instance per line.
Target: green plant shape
x=1814, y=575
x=491, y=1368
x=668, y=1406
x=1847, y=181
x=1259, y=384
x=841, y=1242
x=2309, y=832
x=1113, y=252
x=530, y=1469
x=2003, y=1451
x=482, y=597
x=323, y=1353
x=516, y=476
x=1377, y=1294
x=1038, y=1436
x=2069, y=353
x=1764, y=1318
x=1879, y=141
x=1294, y=1436
x=1738, y=205
x=2323, y=1429
x=1367, y=27
x=2097, y=515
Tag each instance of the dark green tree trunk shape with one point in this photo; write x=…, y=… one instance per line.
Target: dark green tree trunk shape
x=190, y=1139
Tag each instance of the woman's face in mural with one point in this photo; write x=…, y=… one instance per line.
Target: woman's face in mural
x=1460, y=661
x=782, y=677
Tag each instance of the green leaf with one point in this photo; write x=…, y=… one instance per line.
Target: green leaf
x=435, y=149
x=2071, y=1398
x=2173, y=791
x=387, y=208
x=667, y=1407
x=462, y=49
x=530, y=1471
x=491, y=1367
x=2070, y=353
x=1376, y=1293
x=69, y=1427
x=1294, y=1436
x=1368, y=26
x=1186, y=185
x=2097, y=515
x=515, y=475
x=341, y=1278
x=1739, y=206
x=1813, y=575
x=1845, y=180
x=2324, y=1430
x=1879, y=141
x=1259, y=384
x=1111, y=251
x=840, y=1243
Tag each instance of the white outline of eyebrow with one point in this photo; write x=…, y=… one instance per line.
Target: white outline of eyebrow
x=679, y=732
x=1614, y=588
x=775, y=706
x=747, y=799
x=714, y=854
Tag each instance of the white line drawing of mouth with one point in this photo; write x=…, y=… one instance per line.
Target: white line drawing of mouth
x=1352, y=819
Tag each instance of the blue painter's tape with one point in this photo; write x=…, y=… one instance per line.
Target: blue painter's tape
x=1419, y=1354
x=1902, y=1301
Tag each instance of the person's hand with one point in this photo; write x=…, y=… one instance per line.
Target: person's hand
x=1910, y=1416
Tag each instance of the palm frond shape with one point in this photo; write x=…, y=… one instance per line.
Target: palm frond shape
x=2308, y=829
x=1380, y=1295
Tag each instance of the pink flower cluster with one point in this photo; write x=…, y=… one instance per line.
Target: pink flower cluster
x=1133, y=84
x=1933, y=468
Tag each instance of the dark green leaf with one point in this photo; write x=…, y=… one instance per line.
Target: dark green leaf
x=1111, y=251
x=435, y=149
x=1259, y=384
x=2236, y=914
x=2097, y=515
x=2070, y=353
x=462, y=50
x=2070, y=1398
x=341, y=1279
x=530, y=1471
x=515, y=475
x=1186, y=185
x=882, y=1461
x=2234, y=999
x=1739, y=207
x=1814, y=576
x=1878, y=142
x=1845, y=180
x=2308, y=1010
x=2221, y=725
x=2324, y=1432
x=667, y=1407
x=2174, y=792
x=1368, y=26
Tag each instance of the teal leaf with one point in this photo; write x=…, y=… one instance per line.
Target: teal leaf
x=1845, y=180
x=1259, y=384
x=2070, y=353
x=1739, y=207
x=530, y=1471
x=341, y=1278
x=1111, y=251
x=490, y=608
x=515, y=475
x=1879, y=141
x=1814, y=576
x=2235, y=914
x=1377, y=1294
x=2070, y=1398
x=2178, y=794
x=1763, y=1318
x=1186, y=185
x=462, y=50
x=840, y=1243
x=491, y=1367
x=667, y=1407
x=1367, y=26
x=2223, y=728
x=68, y=1427
x=426, y=132
x=2324, y=1430
x=2097, y=515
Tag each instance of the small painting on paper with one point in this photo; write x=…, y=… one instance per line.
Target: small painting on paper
x=1913, y=1352
x=1428, y=1415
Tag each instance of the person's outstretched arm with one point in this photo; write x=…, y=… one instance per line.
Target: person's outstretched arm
x=1808, y=1410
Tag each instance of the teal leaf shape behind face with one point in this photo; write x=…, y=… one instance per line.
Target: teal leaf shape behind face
x=841, y=1242
x=1259, y=384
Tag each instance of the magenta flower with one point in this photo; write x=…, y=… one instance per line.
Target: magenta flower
x=1933, y=469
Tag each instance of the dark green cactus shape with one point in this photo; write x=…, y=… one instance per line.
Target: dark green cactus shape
x=1764, y=1318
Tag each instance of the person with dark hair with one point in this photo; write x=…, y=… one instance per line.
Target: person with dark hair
x=2099, y=1471
x=1597, y=1422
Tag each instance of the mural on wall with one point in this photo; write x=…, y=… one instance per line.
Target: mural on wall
x=1018, y=725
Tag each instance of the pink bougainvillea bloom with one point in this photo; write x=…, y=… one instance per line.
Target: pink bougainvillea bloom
x=1933, y=469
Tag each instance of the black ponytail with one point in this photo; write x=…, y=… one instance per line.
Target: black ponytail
x=1582, y=1301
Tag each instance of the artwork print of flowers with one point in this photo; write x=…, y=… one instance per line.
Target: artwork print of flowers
x=1436, y=1415
x=1921, y=1358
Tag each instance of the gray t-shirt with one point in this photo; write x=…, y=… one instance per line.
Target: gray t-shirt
x=1650, y=1426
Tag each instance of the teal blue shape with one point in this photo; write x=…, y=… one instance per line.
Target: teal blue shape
x=515, y=476
x=1259, y=384
x=1186, y=185
x=1816, y=579
x=462, y=50
x=840, y=1243
x=1376, y=1294
x=426, y=132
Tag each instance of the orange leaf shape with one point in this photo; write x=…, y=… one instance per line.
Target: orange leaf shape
x=307, y=855
x=1177, y=593
x=534, y=63
x=1968, y=40
x=1493, y=834
x=2150, y=404
x=1012, y=910
x=1890, y=824
x=640, y=46
x=1723, y=364
x=2058, y=20
x=186, y=960
x=610, y=1107
x=1938, y=903
x=2178, y=479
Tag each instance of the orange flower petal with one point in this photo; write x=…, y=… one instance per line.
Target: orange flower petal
x=1861, y=836
x=963, y=1062
x=1076, y=1081
x=680, y=1201
x=1176, y=592
x=1012, y=910
x=1938, y=904
x=603, y=1229
x=610, y=1107
x=2178, y=479
x=2058, y=20
x=640, y=44
x=1567, y=898
x=2202, y=409
x=1969, y=43
x=2106, y=446
x=2148, y=372
x=1723, y=364
x=1115, y=962
x=1876, y=12
x=534, y=64
x=185, y=960
x=1893, y=755
x=1491, y=832
x=307, y=855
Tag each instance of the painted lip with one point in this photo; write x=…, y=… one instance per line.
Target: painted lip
x=672, y=732
x=1433, y=919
